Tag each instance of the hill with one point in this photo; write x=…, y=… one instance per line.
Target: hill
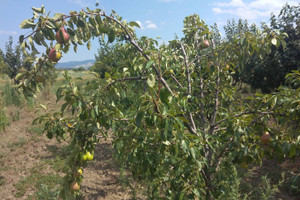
x=75, y=64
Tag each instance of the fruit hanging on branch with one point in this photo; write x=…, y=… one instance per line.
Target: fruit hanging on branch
x=78, y=173
x=62, y=36
x=54, y=55
x=265, y=138
x=89, y=156
x=74, y=186
x=205, y=44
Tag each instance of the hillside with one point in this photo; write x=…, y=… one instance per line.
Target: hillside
x=75, y=64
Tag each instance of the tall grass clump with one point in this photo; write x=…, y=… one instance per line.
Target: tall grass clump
x=11, y=96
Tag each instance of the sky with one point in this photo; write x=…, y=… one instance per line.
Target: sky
x=158, y=18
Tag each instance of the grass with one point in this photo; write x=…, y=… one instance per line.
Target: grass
x=45, y=184
x=4, y=119
x=14, y=145
x=36, y=130
x=2, y=180
x=36, y=180
x=45, y=193
x=43, y=177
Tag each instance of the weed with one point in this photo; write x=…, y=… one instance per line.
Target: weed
x=36, y=130
x=45, y=184
x=4, y=120
x=11, y=96
x=36, y=180
x=292, y=184
x=2, y=180
x=30, y=103
x=45, y=193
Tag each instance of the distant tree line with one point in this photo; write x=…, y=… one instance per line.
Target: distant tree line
x=13, y=59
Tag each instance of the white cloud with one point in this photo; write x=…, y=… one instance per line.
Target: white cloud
x=3, y=32
x=148, y=24
x=252, y=10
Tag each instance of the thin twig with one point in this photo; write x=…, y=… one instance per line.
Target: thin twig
x=189, y=83
x=215, y=111
x=175, y=79
x=134, y=43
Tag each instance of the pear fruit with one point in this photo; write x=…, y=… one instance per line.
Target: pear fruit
x=54, y=55
x=62, y=36
x=205, y=44
x=265, y=138
x=74, y=186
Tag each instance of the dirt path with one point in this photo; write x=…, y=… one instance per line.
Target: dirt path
x=28, y=160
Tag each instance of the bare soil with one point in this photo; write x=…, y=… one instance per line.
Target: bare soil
x=21, y=152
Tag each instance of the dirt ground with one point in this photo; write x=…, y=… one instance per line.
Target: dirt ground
x=21, y=152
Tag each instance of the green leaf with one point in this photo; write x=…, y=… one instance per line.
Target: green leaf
x=192, y=150
x=92, y=21
x=81, y=24
x=88, y=45
x=133, y=23
x=184, y=145
x=103, y=30
x=181, y=196
x=21, y=38
x=274, y=41
x=75, y=48
x=149, y=64
x=199, y=164
x=49, y=34
x=27, y=24
x=44, y=107
x=293, y=151
x=151, y=80
x=38, y=10
x=30, y=41
x=196, y=192
x=111, y=36
x=57, y=16
x=70, y=31
x=164, y=95
x=98, y=19
x=19, y=76
x=139, y=117
x=283, y=43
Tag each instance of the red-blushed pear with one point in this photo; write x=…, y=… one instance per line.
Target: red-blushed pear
x=74, y=186
x=205, y=44
x=265, y=138
x=54, y=55
x=62, y=36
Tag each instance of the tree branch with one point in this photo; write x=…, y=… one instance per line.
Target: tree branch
x=175, y=79
x=215, y=111
x=189, y=84
x=187, y=69
x=133, y=42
